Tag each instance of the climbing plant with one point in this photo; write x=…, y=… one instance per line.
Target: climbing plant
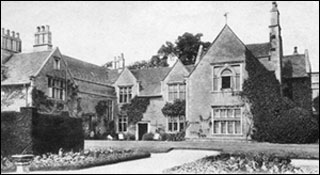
x=276, y=118
x=135, y=109
x=41, y=101
x=177, y=108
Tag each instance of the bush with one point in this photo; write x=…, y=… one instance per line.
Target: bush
x=180, y=136
x=148, y=137
x=129, y=136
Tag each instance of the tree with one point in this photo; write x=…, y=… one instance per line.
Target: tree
x=186, y=47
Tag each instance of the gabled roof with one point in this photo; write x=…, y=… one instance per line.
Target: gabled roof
x=150, y=80
x=294, y=66
x=227, y=47
x=22, y=66
x=87, y=71
x=260, y=50
x=113, y=75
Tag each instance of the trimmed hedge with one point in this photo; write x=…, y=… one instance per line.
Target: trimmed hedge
x=31, y=132
x=52, y=132
x=276, y=119
x=15, y=133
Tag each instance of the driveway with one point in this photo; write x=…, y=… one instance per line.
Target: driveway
x=153, y=165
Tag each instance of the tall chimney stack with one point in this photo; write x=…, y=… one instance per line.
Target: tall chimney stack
x=43, y=38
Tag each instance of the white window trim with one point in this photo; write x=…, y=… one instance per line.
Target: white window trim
x=221, y=119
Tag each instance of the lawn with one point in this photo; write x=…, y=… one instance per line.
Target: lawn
x=293, y=151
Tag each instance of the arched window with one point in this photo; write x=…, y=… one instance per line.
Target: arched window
x=226, y=79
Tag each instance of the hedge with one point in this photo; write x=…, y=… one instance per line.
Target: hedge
x=31, y=132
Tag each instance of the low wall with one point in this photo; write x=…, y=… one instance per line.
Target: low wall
x=31, y=132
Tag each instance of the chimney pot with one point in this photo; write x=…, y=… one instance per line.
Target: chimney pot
x=8, y=32
x=295, y=51
x=47, y=28
x=2, y=31
x=38, y=29
x=18, y=35
x=13, y=34
x=43, y=28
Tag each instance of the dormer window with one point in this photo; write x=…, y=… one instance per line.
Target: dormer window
x=56, y=63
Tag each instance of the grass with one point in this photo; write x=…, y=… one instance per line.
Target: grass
x=293, y=151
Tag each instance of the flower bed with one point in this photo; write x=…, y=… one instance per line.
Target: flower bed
x=76, y=161
x=239, y=164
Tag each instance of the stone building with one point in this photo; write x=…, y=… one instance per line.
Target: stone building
x=69, y=83
x=211, y=87
x=214, y=107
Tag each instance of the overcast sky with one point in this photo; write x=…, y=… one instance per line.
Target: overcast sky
x=97, y=31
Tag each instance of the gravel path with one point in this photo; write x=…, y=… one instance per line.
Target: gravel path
x=154, y=165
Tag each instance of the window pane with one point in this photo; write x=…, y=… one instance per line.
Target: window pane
x=223, y=127
x=181, y=126
x=175, y=126
x=238, y=113
x=226, y=82
x=230, y=113
x=230, y=127
x=238, y=82
x=216, y=128
x=238, y=127
x=216, y=113
x=170, y=126
x=223, y=113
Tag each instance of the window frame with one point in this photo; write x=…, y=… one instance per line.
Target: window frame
x=236, y=81
x=177, y=91
x=56, y=88
x=56, y=63
x=227, y=120
x=175, y=121
x=125, y=94
x=123, y=123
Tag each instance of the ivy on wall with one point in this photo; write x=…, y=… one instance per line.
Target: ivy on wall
x=135, y=109
x=276, y=118
x=177, y=108
x=41, y=101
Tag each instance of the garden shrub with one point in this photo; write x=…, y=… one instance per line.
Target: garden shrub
x=129, y=136
x=180, y=136
x=276, y=119
x=148, y=137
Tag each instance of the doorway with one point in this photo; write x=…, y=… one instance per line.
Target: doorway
x=142, y=129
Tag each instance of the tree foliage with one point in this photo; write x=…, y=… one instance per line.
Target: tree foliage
x=135, y=109
x=276, y=119
x=185, y=47
x=177, y=108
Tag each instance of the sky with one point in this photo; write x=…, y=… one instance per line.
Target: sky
x=96, y=32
